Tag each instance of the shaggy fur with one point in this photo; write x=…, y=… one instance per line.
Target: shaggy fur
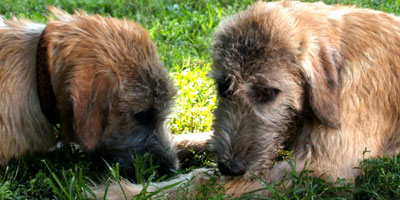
x=322, y=81
x=112, y=92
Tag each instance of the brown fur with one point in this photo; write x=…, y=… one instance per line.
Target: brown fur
x=112, y=92
x=191, y=143
x=321, y=80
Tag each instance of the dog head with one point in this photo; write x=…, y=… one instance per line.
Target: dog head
x=269, y=72
x=112, y=91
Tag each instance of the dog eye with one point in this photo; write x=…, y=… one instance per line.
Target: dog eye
x=264, y=95
x=143, y=116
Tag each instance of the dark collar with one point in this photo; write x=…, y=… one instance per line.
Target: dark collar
x=47, y=98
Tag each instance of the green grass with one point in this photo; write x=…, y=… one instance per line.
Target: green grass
x=183, y=33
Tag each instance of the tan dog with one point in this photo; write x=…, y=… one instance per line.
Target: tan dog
x=322, y=81
x=99, y=77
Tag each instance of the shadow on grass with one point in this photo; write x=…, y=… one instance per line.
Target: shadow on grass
x=67, y=173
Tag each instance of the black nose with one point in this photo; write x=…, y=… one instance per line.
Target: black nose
x=166, y=168
x=231, y=168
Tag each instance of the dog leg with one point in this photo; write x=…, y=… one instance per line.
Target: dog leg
x=192, y=142
x=127, y=190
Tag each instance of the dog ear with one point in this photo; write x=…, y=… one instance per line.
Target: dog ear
x=322, y=67
x=92, y=95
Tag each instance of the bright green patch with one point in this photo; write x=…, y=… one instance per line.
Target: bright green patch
x=195, y=101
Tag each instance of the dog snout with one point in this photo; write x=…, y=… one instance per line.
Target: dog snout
x=232, y=168
x=167, y=167
x=166, y=160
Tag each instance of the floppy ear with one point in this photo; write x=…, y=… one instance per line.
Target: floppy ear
x=92, y=95
x=321, y=66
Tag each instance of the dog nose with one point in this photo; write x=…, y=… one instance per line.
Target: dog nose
x=231, y=168
x=167, y=166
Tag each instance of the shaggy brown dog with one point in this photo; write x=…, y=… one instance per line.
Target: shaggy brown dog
x=321, y=80
x=110, y=92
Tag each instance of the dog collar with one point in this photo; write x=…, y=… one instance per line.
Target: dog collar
x=47, y=98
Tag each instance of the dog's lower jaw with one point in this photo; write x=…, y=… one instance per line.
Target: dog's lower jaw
x=23, y=127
